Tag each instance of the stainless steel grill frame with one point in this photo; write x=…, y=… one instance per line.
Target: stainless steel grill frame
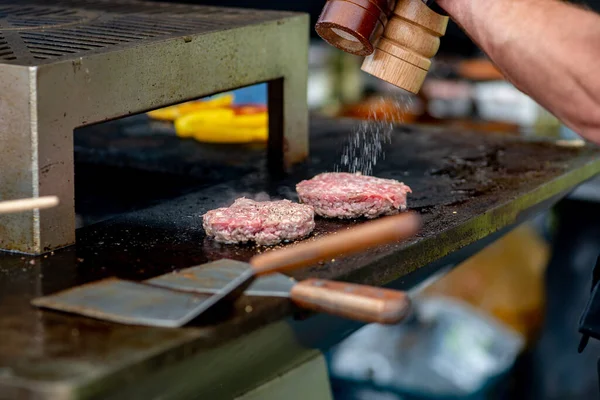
x=79, y=62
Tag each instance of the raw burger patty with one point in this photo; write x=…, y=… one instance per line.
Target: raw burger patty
x=345, y=195
x=262, y=222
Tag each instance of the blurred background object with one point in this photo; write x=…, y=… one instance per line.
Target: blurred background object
x=448, y=350
x=506, y=281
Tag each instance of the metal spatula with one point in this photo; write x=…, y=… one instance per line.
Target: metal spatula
x=142, y=304
x=362, y=303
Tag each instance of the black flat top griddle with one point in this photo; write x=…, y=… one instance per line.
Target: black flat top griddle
x=468, y=187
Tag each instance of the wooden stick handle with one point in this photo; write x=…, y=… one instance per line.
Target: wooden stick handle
x=365, y=236
x=14, y=206
x=357, y=302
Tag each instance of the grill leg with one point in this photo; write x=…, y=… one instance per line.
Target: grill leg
x=277, y=138
x=288, y=108
x=36, y=159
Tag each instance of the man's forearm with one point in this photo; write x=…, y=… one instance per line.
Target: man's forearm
x=548, y=49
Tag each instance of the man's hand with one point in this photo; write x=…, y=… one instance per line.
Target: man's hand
x=548, y=49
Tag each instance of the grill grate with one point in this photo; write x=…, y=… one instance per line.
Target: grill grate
x=32, y=31
x=6, y=52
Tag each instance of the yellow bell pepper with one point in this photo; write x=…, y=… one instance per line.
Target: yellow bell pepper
x=251, y=120
x=223, y=126
x=173, y=112
x=230, y=134
x=188, y=124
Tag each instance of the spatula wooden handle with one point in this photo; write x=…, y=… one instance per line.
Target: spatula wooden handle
x=362, y=237
x=356, y=302
x=14, y=206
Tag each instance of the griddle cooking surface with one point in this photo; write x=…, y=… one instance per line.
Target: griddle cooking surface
x=454, y=176
x=467, y=186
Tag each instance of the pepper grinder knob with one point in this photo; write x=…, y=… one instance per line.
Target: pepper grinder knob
x=411, y=37
x=354, y=26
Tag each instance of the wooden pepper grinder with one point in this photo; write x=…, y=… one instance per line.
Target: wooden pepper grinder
x=410, y=39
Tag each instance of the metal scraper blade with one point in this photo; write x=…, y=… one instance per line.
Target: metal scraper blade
x=128, y=303
x=210, y=278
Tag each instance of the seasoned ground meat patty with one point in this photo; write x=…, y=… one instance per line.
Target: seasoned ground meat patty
x=262, y=222
x=345, y=195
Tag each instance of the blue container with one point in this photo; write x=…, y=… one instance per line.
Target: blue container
x=256, y=94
